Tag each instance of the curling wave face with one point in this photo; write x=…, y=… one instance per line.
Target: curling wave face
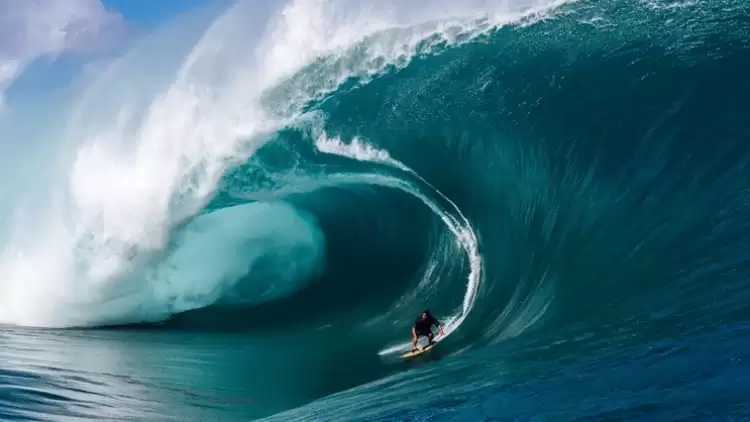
x=144, y=150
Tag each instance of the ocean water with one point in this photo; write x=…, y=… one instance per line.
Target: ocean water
x=241, y=217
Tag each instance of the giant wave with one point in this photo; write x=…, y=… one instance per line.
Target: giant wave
x=131, y=230
x=319, y=172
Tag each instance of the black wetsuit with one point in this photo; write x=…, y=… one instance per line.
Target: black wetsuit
x=423, y=326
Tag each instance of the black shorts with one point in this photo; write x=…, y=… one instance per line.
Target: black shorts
x=424, y=333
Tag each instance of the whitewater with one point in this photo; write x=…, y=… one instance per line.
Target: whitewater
x=241, y=216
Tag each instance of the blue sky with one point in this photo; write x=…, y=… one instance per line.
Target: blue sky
x=42, y=62
x=153, y=12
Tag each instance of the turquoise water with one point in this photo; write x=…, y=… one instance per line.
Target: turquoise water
x=245, y=224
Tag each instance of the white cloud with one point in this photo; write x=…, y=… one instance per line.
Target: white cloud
x=32, y=29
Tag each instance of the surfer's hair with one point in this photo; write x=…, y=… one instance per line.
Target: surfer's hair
x=427, y=311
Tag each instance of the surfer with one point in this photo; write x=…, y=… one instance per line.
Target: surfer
x=423, y=327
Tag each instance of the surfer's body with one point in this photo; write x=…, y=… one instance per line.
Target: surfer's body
x=423, y=327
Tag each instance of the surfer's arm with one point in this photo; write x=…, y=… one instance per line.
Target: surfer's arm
x=439, y=326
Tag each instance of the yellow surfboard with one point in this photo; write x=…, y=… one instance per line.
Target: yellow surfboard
x=418, y=352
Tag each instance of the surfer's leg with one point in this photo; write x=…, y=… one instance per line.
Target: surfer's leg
x=430, y=337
